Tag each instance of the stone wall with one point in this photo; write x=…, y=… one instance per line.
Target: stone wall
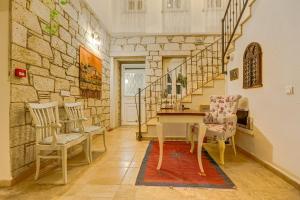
x=154, y=48
x=52, y=63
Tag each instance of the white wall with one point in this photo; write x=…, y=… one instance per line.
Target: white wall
x=102, y=9
x=275, y=25
x=5, y=173
x=198, y=19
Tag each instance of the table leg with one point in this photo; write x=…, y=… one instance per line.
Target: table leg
x=187, y=133
x=201, y=134
x=192, y=140
x=159, y=129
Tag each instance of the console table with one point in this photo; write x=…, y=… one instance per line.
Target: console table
x=186, y=117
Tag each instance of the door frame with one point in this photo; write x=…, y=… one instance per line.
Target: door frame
x=123, y=68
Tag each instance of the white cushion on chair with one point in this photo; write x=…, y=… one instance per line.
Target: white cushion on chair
x=62, y=138
x=216, y=128
x=91, y=129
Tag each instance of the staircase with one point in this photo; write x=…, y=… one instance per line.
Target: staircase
x=202, y=70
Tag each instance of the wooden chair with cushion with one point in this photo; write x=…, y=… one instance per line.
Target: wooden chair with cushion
x=221, y=121
x=76, y=118
x=49, y=139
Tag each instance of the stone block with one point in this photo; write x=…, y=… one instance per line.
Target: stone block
x=116, y=48
x=75, y=91
x=172, y=47
x=22, y=16
x=140, y=48
x=24, y=55
x=154, y=53
x=134, y=40
x=39, y=45
x=129, y=48
x=57, y=58
x=188, y=47
x=46, y=63
x=21, y=2
x=153, y=64
x=18, y=93
x=120, y=41
x=157, y=58
x=148, y=40
x=71, y=51
x=21, y=134
x=91, y=102
x=17, y=157
x=58, y=71
x=162, y=40
x=190, y=39
x=56, y=97
x=19, y=34
x=38, y=71
x=65, y=35
x=97, y=102
x=73, y=71
x=62, y=84
x=76, y=4
x=69, y=99
x=68, y=8
x=43, y=84
x=67, y=58
x=178, y=39
x=153, y=47
x=29, y=153
x=40, y=9
x=58, y=44
x=73, y=24
x=61, y=20
x=17, y=114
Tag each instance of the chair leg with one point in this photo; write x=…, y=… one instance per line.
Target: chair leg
x=233, y=145
x=222, y=150
x=86, y=149
x=38, y=165
x=192, y=142
x=104, y=141
x=91, y=147
x=187, y=133
x=64, y=159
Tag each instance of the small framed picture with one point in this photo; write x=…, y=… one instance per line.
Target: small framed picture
x=234, y=74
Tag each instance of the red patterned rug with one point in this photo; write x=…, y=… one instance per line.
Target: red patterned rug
x=180, y=168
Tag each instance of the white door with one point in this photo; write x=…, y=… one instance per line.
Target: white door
x=133, y=78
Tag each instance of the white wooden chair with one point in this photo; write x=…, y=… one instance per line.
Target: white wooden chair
x=76, y=118
x=48, y=138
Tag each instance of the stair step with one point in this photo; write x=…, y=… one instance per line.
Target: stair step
x=187, y=99
x=152, y=122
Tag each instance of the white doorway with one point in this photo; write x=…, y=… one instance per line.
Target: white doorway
x=133, y=78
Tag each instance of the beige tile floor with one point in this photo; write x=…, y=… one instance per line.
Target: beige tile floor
x=112, y=176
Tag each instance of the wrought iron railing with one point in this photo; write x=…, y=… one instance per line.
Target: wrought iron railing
x=179, y=83
x=197, y=71
x=230, y=22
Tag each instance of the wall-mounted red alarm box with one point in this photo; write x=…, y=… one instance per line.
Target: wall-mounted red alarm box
x=20, y=73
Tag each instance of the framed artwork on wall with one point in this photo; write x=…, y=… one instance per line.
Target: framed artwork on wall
x=90, y=74
x=234, y=74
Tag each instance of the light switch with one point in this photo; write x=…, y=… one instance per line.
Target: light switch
x=289, y=90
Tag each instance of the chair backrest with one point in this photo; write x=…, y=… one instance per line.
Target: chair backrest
x=74, y=112
x=220, y=106
x=44, y=116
